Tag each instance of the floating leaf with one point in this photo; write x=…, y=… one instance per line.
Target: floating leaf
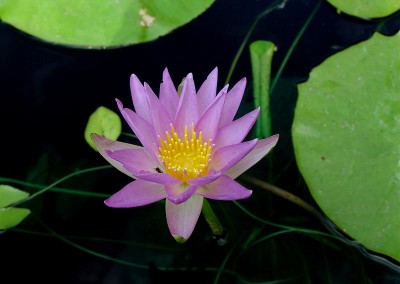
x=100, y=23
x=11, y=217
x=10, y=195
x=104, y=122
x=367, y=8
x=346, y=134
x=261, y=53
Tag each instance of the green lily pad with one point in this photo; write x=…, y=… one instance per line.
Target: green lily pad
x=261, y=53
x=366, y=8
x=11, y=217
x=104, y=122
x=100, y=23
x=9, y=195
x=346, y=135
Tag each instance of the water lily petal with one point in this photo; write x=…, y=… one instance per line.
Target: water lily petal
x=232, y=102
x=224, y=90
x=204, y=112
x=208, y=123
x=160, y=116
x=187, y=113
x=150, y=94
x=135, y=158
x=259, y=151
x=226, y=157
x=207, y=91
x=139, y=98
x=168, y=96
x=224, y=188
x=182, y=218
x=136, y=193
x=179, y=193
x=161, y=178
x=103, y=144
x=213, y=175
x=143, y=130
x=236, y=131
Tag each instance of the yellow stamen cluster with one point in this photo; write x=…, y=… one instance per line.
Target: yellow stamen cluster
x=185, y=158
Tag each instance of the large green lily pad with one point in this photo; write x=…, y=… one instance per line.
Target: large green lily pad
x=367, y=8
x=100, y=23
x=346, y=135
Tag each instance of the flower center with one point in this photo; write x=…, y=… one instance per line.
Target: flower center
x=185, y=158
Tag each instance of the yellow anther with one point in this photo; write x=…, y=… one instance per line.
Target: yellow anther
x=185, y=157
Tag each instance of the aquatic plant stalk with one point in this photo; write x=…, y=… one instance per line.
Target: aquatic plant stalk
x=43, y=190
x=212, y=219
x=292, y=47
x=274, y=6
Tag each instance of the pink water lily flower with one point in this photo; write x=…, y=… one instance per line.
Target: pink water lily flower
x=192, y=148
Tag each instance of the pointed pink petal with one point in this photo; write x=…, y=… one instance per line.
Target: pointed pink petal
x=224, y=90
x=208, y=123
x=213, y=175
x=143, y=130
x=187, y=113
x=226, y=157
x=224, y=188
x=182, y=218
x=180, y=193
x=162, y=123
x=103, y=144
x=260, y=150
x=135, y=158
x=136, y=193
x=207, y=91
x=150, y=95
x=236, y=131
x=161, y=178
x=232, y=102
x=161, y=119
x=139, y=98
x=168, y=96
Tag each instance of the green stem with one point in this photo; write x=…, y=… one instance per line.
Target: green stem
x=223, y=264
x=129, y=135
x=282, y=193
x=335, y=235
x=292, y=47
x=267, y=237
x=55, y=189
x=274, y=6
x=212, y=219
x=89, y=251
x=295, y=229
x=132, y=264
x=96, y=239
x=58, y=182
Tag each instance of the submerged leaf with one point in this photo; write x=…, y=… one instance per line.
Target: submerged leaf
x=346, y=137
x=104, y=122
x=100, y=23
x=10, y=195
x=11, y=217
